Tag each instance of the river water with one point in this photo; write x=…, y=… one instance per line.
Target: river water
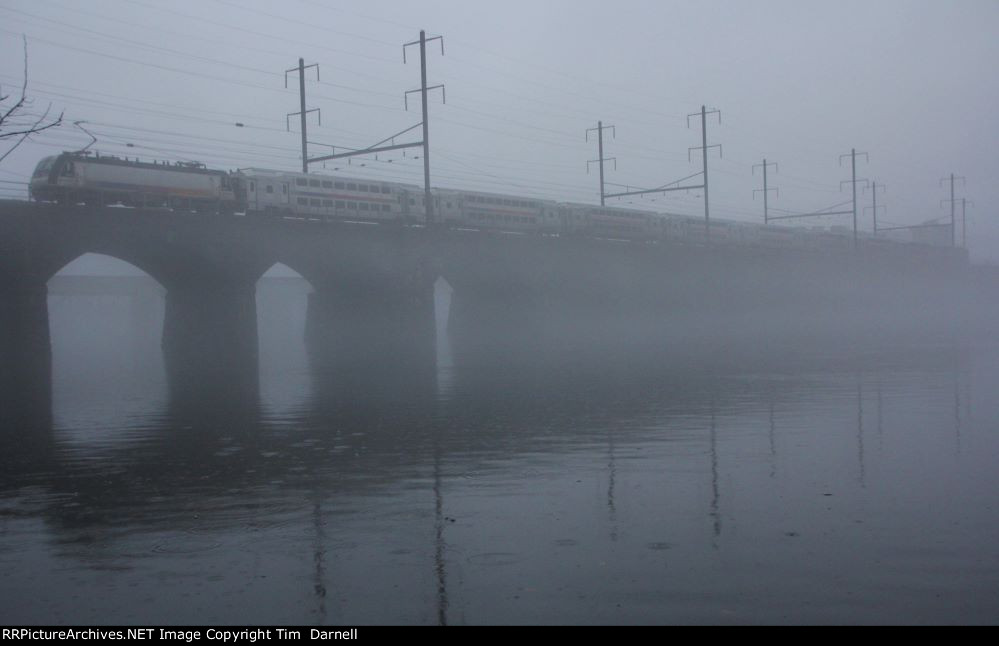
x=821, y=485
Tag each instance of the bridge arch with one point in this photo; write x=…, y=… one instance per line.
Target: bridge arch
x=283, y=267
x=84, y=259
x=105, y=315
x=282, y=296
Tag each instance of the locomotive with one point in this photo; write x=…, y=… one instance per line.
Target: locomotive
x=73, y=178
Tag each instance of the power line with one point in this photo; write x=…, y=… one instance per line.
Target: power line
x=964, y=221
x=853, y=183
x=229, y=25
x=704, y=151
x=601, y=159
x=303, y=113
x=766, y=189
x=874, y=203
x=953, y=205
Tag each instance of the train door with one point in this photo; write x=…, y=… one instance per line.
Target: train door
x=549, y=219
x=403, y=197
x=449, y=207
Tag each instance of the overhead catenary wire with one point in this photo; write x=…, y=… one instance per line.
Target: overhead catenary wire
x=503, y=171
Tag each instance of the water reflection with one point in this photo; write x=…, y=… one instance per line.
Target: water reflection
x=507, y=487
x=860, y=430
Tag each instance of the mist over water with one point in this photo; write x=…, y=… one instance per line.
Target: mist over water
x=756, y=384
x=819, y=484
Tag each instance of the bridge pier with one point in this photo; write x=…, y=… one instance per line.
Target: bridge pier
x=498, y=320
x=210, y=336
x=25, y=352
x=374, y=338
x=560, y=320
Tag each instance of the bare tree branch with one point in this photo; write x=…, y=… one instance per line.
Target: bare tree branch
x=36, y=127
x=32, y=130
x=24, y=86
x=12, y=113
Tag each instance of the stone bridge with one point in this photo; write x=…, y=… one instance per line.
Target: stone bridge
x=373, y=300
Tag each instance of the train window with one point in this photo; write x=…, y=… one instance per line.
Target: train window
x=314, y=183
x=363, y=188
x=352, y=206
x=386, y=208
x=253, y=187
x=284, y=189
x=386, y=190
x=303, y=201
x=315, y=202
x=412, y=202
x=44, y=166
x=340, y=204
x=448, y=205
x=328, y=203
x=67, y=170
x=364, y=206
x=301, y=182
x=327, y=184
x=351, y=187
x=270, y=189
x=339, y=185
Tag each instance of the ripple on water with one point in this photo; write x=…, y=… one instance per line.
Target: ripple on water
x=495, y=559
x=187, y=544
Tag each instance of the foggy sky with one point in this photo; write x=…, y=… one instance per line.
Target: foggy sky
x=912, y=83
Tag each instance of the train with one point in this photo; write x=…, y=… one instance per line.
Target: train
x=73, y=178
